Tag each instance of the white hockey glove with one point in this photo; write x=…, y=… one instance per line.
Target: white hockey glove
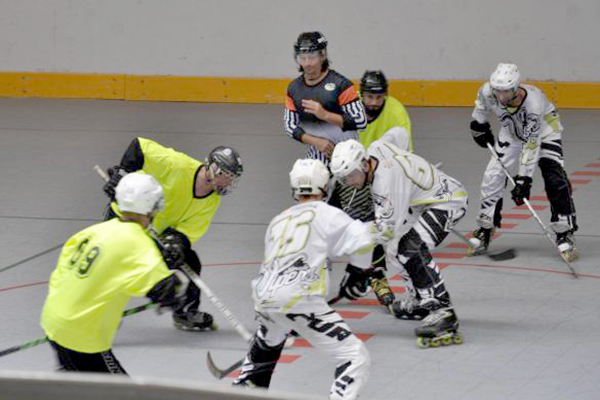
x=381, y=233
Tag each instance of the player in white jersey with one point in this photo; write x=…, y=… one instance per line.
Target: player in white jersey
x=290, y=291
x=530, y=133
x=416, y=206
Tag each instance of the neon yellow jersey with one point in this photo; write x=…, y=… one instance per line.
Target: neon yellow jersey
x=393, y=114
x=176, y=172
x=99, y=269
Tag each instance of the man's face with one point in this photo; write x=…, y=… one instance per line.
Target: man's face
x=505, y=97
x=355, y=179
x=373, y=102
x=311, y=63
x=223, y=181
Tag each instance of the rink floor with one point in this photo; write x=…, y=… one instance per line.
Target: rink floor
x=530, y=328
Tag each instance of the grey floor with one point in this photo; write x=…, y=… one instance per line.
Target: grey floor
x=531, y=330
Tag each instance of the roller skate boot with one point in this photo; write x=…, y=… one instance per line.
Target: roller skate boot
x=480, y=241
x=193, y=320
x=408, y=309
x=439, y=328
x=566, y=245
x=382, y=290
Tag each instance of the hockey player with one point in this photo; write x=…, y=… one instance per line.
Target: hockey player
x=289, y=292
x=98, y=271
x=193, y=193
x=322, y=107
x=385, y=116
x=530, y=133
x=416, y=206
x=384, y=112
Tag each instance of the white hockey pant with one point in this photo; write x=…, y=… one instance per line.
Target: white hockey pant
x=551, y=163
x=413, y=252
x=329, y=333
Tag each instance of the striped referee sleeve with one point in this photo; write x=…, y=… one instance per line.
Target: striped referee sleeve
x=355, y=117
x=291, y=120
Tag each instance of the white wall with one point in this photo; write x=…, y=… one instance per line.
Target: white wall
x=408, y=39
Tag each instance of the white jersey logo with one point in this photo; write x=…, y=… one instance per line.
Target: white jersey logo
x=330, y=87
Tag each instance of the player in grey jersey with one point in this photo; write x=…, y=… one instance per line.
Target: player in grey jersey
x=290, y=290
x=530, y=133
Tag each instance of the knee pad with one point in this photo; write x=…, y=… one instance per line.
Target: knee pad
x=558, y=188
x=261, y=361
x=415, y=256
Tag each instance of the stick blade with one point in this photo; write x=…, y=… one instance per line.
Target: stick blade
x=221, y=373
x=216, y=372
x=503, y=255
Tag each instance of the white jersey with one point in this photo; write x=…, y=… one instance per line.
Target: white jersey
x=535, y=118
x=405, y=181
x=299, y=244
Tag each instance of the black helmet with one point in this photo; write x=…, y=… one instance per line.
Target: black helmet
x=309, y=42
x=227, y=159
x=373, y=82
x=224, y=168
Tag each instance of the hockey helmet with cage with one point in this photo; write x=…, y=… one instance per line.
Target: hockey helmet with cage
x=139, y=193
x=505, y=77
x=226, y=166
x=309, y=177
x=374, y=82
x=309, y=42
x=347, y=157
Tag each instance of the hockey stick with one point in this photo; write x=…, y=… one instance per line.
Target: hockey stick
x=221, y=373
x=532, y=211
x=501, y=256
x=237, y=325
x=36, y=342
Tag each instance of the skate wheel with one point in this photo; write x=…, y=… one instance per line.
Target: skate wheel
x=447, y=340
x=435, y=342
x=214, y=327
x=423, y=342
x=458, y=338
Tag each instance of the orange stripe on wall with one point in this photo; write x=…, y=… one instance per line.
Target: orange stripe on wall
x=257, y=90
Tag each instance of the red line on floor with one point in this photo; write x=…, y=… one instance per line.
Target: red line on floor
x=580, y=181
x=23, y=286
x=534, y=269
x=398, y=289
x=365, y=302
x=586, y=173
x=516, y=216
x=300, y=342
x=448, y=255
x=353, y=314
x=538, y=198
x=508, y=225
x=457, y=245
x=534, y=206
x=593, y=165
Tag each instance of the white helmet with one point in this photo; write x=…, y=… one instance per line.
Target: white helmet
x=505, y=77
x=139, y=193
x=309, y=177
x=347, y=157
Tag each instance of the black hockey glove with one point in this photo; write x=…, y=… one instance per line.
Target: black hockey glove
x=171, y=291
x=173, y=247
x=482, y=133
x=355, y=282
x=114, y=174
x=521, y=190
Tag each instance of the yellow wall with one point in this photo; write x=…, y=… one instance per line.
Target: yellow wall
x=247, y=90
